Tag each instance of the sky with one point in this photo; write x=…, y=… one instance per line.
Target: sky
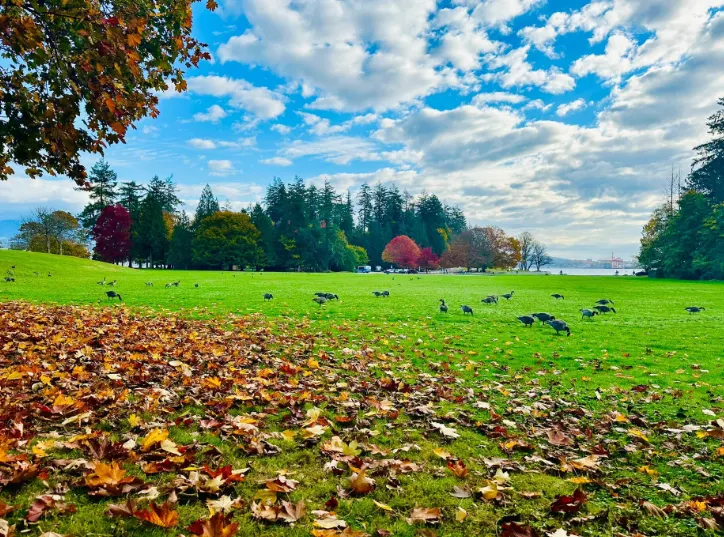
x=563, y=118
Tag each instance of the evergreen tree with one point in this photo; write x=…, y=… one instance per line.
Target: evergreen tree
x=129, y=195
x=364, y=199
x=153, y=233
x=180, y=254
x=101, y=188
x=276, y=200
x=267, y=242
x=707, y=176
x=164, y=192
x=208, y=205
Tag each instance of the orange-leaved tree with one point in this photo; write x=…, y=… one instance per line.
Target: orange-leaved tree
x=76, y=75
x=402, y=251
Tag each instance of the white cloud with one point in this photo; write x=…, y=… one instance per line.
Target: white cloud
x=221, y=168
x=335, y=149
x=20, y=195
x=500, y=12
x=614, y=62
x=498, y=97
x=201, y=143
x=261, y=102
x=565, y=109
x=213, y=114
x=518, y=72
x=277, y=161
x=281, y=129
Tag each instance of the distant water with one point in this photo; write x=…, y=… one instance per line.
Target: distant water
x=589, y=272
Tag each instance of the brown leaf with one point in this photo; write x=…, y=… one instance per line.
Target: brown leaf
x=513, y=529
x=217, y=526
x=425, y=515
x=158, y=515
x=557, y=438
x=653, y=510
x=569, y=504
x=458, y=468
x=360, y=483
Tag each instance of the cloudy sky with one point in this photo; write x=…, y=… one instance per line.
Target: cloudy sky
x=560, y=117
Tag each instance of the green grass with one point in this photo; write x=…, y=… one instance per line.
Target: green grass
x=650, y=341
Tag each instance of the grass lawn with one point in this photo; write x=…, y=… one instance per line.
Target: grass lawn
x=380, y=414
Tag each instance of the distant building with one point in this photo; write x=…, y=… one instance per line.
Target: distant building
x=617, y=262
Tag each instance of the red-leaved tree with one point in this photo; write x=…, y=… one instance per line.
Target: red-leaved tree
x=428, y=259
x=112, y=234
x=402, y=251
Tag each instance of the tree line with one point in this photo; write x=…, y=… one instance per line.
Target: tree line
x=685, y=236
x=298, y=226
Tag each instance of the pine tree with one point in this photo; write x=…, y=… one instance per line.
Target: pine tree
x=101, y=189
x=180, y=248
x=208, y=205
x=276, y=200
x=129, y=195
x=364, y=199
x=264, y=224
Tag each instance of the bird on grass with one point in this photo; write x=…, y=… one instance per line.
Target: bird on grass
x=508, y=296
x=443, y=306
x=559, y=326
x=149, y=284
x=268, y=296
x=102, y=282
x=604, y=302
x=489, y=300
x=467, y=309
x=604, y=309
x=385, y=294
x=694, y=309
x=544, y=317
x=378, y=294
x=196, y=285
x=527, y=320
x=588, y=313
x=9, y=279
x=49, y=274
x=113, y=294
x=320, y=300
x=113, y=283
x=557, y=296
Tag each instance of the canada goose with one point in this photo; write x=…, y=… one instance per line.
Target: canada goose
x=527, y=320
x=9, y=279
x=113, y=283
x=559, y=326
x=604, y=301
x=113, y=294
x=268, y=296
x=196, y=285
x=557, y=296
x=378, y=294
x=385, y=294
x=102, y=282
x=543, y=317
x=508, y=296
x=588, y=313
x=690, y=309
x=467, y=309
x=149, y=284
x=604, y=309
x=331, y=296
x=443, y=306
x=489, y=300
x=320, y=300
x=49, y=275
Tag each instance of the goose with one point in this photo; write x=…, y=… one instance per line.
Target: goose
x=694, y=309
x=378, y=294
x=9, y=279
x=385, y=294
x=527, y=320
x=102, y=282
x=149, y=284
x=588, y=313
x=489, y=300
x=544, y=317
x=268, y=296
x=557, y=296
x=196, y=285
x=604, y=302
x=113, y=294
x=604, y=309
x=320, y=300
x=508, y=296
x=331, y=296
x=443, y=306
x=559, y=326
x=467, y=309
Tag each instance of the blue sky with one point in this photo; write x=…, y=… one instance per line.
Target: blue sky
x=560, y=117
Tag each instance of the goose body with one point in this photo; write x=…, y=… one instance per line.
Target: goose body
x=268, y=296
x=467, y=309
x=489, y=300
x=559, y=326
x=320, y=300
x=694, y=309
x=557, y=296
x=508, y=296
x=527, y=320
x=588, y=313
x=113, y=294
x=443, y=306
x=544, y=317
x=604, y=302
x=604, y=309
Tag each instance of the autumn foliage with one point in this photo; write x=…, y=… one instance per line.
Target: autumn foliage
x=78, y=74
x=402, y=251
x=428, y=260
x=112, y=234
x=482, y=247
